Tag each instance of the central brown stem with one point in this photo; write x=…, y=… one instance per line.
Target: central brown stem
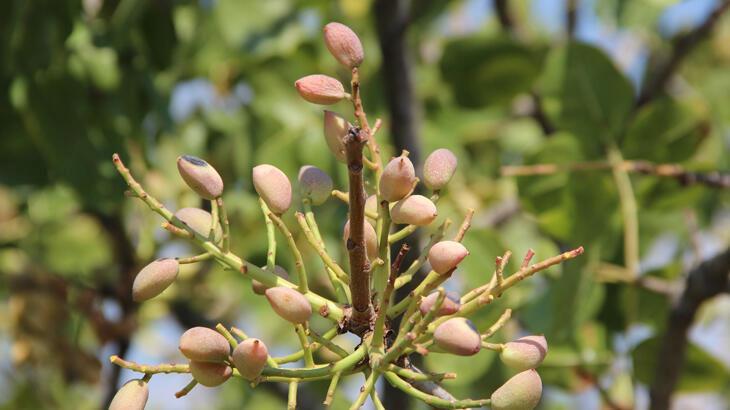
x=362, y=309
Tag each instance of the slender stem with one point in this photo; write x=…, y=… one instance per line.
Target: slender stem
x=292, y=398
x=298, y=260
x=215, y=218
x=495, y=347
x=418, y=376
x=345, y=197
x=225, y=224
x=193, y=259
x=148, y=369
x=489, y=294
x=376, y=400
x=317, y=245
x=315, y=346
x=336, y=349
x=498, y=324
x=629, y=211
x=185, y=390
x=380, y=323
x=332, y=389
x=405, y=337
x=465, y=225
x=338, y=282
x=229, y=337
x=365, y=390
x=308, y=359
x=381, y=274
x=359, y=266
x=344, y=364
x=270, y=237
x=405, y=387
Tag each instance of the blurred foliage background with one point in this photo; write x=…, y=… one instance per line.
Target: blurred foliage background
x=604, y=89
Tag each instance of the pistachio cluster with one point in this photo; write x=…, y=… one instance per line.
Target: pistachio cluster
x=362, y=301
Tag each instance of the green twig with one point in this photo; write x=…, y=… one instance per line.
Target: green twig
x=298, y=260
x=405, y=387
x=270, y=237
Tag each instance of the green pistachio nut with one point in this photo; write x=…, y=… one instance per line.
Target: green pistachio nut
x=132, y=396
x=521, y=392
x=154, y=278
x=315, y=184
x=344, y=44
x=249, y=357
x=414, y=210
x=450, y=305
x=200, y=176
x=273, y=187
x=320, y=89
x=398, y=179
x=525, y=353
x=204, y=345
x=200, y=221
x=438, y=168
x=210, y=374
x=446, y=255
x=458, y=336
x=289, y=304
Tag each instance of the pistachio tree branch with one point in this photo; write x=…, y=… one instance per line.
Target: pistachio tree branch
x=681, y=47
x=707, y=280
x=362, y=311
x=323, y=306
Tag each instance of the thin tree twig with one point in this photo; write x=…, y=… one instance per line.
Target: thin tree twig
x=681, y=48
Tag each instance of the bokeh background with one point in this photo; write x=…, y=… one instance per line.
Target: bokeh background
x=501, y=83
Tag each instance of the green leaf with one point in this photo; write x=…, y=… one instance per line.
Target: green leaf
x=489, y=71
x=663, y=131
x=585, y=93
x=701, y=371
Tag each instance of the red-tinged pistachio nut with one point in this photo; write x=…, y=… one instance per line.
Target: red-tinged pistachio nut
x=371, y=238
x=320, y=89
x=335, y=129
x=315, y=184
x=397, y=179
x=200, y=221
x=439, y=168
x=450, y=305
x=289, y=304
x=154, y=278
x=204, y=345
x=458, y=336
x=525, y=353
x=521, y=392
x=273, y=187
x=259, y=288
x=210, y=374
x=132, y=396
x=414, y=210
x=344, y=44
x=446, y=255
x=200, y=176
x=249, y=357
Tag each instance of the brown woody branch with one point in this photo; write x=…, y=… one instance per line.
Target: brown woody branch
x=707, y=280
x=362, y=312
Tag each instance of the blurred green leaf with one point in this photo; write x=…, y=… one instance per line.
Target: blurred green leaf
x=584, y=93
x=485, y=71
x=701, y=371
